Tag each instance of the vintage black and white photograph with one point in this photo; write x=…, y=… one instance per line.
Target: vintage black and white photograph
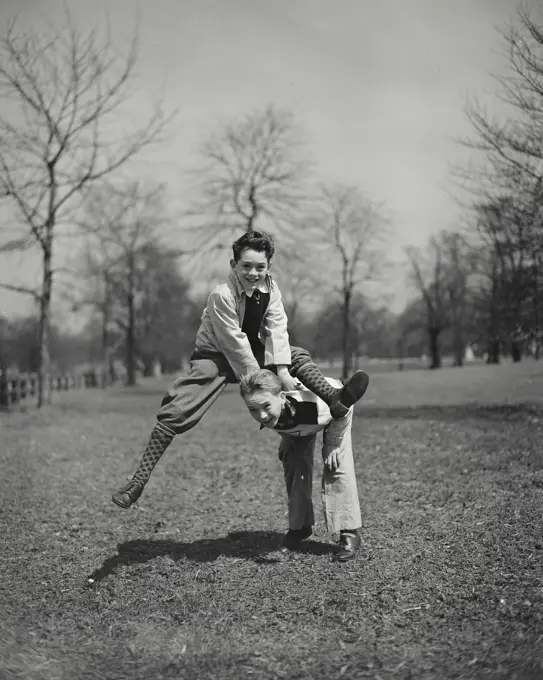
x=271, y=339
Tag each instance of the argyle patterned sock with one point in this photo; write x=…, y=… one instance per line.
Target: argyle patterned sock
x=312, y=377
x=161, y=437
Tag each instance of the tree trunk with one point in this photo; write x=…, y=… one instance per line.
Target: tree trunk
x=43, y=322
x=112, y=373
x=105, y=342
x=46, y=288
x=459, y=345
x=130, y=348
x=254, y=208
x=459, y=355
x=148, y=366
x=493, y=353
x=292, y=328
x=434, y=349
x=536, y=299
x=401, y=353
x=459, y=350
x=516, y=350
x=130, y=328
x=346, y=345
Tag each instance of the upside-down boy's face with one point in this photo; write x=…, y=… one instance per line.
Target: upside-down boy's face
x=251, y=268
x=265, y=407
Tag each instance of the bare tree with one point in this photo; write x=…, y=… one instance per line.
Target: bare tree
x=428, y=273
x=506, y=181
x=442, y=273
x=62, y=90
x=96, y=291
x=121, y=226
x=410, y=332
x=167, y=318
x=506, y=229
x=350, y=233
x=486, y=305
x=301, y=284
x=253, y=170
x=511, y=150
x=460, y=261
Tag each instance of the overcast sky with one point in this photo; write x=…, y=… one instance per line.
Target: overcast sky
x=379, y=86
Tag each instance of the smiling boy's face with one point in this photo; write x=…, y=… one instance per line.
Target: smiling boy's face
x=251, y=268
x=265, y=407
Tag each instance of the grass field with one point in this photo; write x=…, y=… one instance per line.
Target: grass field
x=190, y=584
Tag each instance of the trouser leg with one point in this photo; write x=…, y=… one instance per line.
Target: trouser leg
x=296, y=454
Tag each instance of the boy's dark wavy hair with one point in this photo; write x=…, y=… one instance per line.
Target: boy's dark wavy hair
x=254, y=240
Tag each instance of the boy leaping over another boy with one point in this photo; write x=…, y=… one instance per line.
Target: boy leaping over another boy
x=297, y=417
x=243, y=328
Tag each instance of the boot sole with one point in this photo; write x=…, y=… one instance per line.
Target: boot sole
x=340, y=410
x=363, y=387
x=120, y=503
x=345, y=558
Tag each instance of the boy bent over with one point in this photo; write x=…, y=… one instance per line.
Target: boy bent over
x=297, y=417
x=243, y=328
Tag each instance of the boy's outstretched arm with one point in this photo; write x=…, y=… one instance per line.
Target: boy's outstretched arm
x=277, y=347
x=332, y=438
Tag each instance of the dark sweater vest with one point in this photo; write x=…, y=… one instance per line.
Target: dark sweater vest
x=255, y=308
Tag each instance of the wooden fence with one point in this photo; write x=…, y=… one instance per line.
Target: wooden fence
x=21, y=391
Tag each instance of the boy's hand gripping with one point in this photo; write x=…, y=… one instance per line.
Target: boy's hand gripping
x=288, y=383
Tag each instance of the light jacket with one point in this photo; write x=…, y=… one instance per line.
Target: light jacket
x=220, y=328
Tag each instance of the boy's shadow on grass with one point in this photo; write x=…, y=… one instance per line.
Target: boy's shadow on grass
x=249, y=545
